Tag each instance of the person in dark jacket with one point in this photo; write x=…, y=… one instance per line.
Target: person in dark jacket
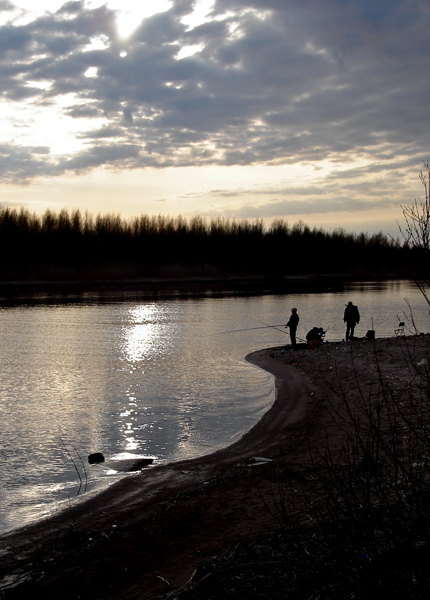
x=315, y=334
x=292, y=324
x=351, y=317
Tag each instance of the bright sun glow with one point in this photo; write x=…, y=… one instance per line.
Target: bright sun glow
x=130, y=13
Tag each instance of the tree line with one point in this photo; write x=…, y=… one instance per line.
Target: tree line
x=68, y=245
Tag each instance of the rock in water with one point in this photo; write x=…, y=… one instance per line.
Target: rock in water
x=97, y=457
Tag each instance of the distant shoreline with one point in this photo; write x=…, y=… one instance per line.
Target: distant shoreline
x=203, y=280
x=22, y=290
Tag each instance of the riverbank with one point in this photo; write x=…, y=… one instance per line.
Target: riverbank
x=146, y=536
x=16, y=292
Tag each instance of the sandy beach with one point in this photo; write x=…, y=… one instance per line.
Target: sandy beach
x=146, y=536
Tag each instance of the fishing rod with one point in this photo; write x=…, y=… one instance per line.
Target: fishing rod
x=273, y=326
x=281, y=330
x=250, y=328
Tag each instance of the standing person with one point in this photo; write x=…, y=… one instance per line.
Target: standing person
x=292, y=324
x=351, y=317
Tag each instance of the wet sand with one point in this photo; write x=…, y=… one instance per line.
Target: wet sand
x=145, y=536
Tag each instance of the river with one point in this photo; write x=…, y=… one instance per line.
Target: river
x=161, y=378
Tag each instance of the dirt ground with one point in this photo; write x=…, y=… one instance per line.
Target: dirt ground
x=145, y=537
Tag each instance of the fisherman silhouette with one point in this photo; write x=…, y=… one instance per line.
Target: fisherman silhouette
x=351, y=317
x=315, y=334
x=292, y=324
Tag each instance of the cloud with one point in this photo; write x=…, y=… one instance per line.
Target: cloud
x=274, y=83
x=306, y=200
x=116, y=155
x=23, y=163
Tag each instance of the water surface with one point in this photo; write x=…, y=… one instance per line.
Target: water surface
x=160, y=378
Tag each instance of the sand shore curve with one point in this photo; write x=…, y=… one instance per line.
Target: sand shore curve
x=146, y=535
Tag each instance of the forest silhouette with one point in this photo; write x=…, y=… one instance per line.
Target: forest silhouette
x=71, y=246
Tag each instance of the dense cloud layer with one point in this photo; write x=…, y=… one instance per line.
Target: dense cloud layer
x=271, y=82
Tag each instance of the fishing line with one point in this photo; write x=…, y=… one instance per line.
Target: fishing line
x=272, y=326
x=282, y=331
x=248, y=328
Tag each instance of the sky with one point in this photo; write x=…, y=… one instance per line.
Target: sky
x=305, y=110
